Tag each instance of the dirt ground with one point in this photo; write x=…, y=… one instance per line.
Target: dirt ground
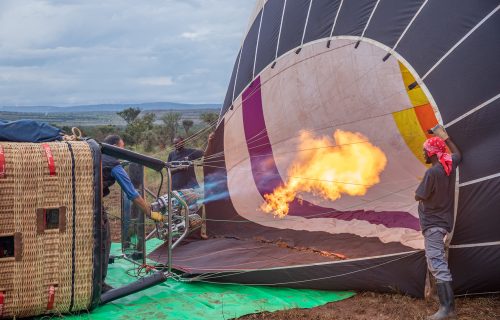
x=369, y=305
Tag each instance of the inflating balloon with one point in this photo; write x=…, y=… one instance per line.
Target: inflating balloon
x=386, y=71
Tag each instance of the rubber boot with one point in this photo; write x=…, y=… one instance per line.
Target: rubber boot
x=446, y=302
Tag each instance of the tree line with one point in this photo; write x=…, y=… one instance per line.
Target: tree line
x=144, y=129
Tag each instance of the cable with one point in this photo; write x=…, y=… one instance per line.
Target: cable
x=322, y=128
x=200, y=132
x=326, y=212
x=353, y=82
x=281, y=71
x=199, y=162
x=317, y=214
x=305, y=280
x=306, y=178
x=161, y=185
x=259, y=136
x=249, y=140
x=252, y=139
x=216, y=252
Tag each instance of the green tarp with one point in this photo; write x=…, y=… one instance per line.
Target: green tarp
x=197, y=300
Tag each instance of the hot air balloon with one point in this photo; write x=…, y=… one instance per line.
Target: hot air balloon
x=319, y=146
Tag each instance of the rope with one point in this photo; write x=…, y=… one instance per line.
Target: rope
x=475, y=294
x=307, y=178
x=352, y=83
x=202, y=162
x=278, y=73
x=215, y=275
x=261, y=135
x=200, y=132
x=322, y=213
x=312, y=130
x=73, y=252
x=221, y=274
x=76, y=136
x=312, y=215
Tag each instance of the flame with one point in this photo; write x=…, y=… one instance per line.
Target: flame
x=351, y=166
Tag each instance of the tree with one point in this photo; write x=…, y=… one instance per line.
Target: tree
x=106, y=130
x=161, y=135
x=136, y=130
x=149, y=140
x=209, y=117
x=65, y=129
x=187, y=124
x=149, y=120
x=171, y=121
x=129, y=114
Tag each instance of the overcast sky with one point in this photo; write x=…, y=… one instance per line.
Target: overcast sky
x=71, y=52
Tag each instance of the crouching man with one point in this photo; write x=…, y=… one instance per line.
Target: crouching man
x=436, y=196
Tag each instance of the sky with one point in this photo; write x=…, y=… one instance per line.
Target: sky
x=77, y=52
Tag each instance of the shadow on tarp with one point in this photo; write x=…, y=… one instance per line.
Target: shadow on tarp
x=179, y=300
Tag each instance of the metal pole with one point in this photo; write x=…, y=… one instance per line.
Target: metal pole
x=131, y=288
x=169, y=218
x=186, y=218
x=137, y=176
x=133, y=218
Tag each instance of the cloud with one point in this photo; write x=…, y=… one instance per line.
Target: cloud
x=56, y=52
x=196, y=34
x=156, y=81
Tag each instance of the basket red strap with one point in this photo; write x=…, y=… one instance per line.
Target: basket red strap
x=2, y=299
x=52, y=295
x=50, y=159
x=2, y=162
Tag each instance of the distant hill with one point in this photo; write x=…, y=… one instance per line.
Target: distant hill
x=156, y=106
x=104, y=114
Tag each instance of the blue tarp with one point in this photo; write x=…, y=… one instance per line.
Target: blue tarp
x=28, y=131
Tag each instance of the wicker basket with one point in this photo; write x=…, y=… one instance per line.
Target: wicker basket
x=50, y=228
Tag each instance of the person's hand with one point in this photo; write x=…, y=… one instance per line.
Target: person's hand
x=440, y=132
x=210, y=144
x=156, y=216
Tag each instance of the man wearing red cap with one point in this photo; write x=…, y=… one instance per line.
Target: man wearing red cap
x=436, y=196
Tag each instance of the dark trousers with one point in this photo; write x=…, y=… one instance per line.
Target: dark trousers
x=106, y=231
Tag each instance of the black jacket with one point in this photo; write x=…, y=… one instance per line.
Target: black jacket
x=108, y=163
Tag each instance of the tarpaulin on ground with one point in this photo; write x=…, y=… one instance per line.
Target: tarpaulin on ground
x=198, y=300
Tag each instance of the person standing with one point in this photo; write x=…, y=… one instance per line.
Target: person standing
x=186, y=179
x=436, y=196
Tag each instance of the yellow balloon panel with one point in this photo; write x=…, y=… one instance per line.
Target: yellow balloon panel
x=417, y=95
x=410, y=130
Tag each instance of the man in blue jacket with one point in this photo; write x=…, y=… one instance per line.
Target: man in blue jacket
x=112, y=172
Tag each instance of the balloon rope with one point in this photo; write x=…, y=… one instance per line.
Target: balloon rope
x=202, y=277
